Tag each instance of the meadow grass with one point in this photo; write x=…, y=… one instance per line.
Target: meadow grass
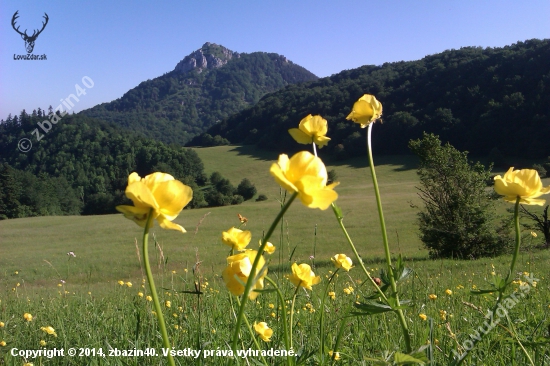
x=81, y=297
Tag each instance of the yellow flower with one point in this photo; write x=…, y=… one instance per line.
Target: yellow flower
x=2, y=324
x=342, y=261
x=167, y=304
x=236, y=238
x=432, y=296
x=129, y=284
x=533, y=234
x=312, y=129
x=269, y=248
x=140, y=294
x=524, y=183
x=448, y=292
x=148, y=298
x=49, y=330
x=423, y=316
x=263, y=331
x=443, y=314
x=2, y=343
x=28, y=364
x=159, y=192
x=336, y=356
x=238, y=269
x=305, y=174
x=303, y=276
x=121, y=283
x=271, y=306
x=332, y=295
x=27, y=317
x=366, y=110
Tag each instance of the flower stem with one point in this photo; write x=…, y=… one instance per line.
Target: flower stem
x=252, y=277
x=283, y=316
x=253, y=337
x=292, y=311
x=322, y=320
x=393, y=284
x=152, y=288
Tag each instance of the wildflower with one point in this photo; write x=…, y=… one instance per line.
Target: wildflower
x=533, y=234
x=366, y=110
x=129, y=284
x=167, y=304
x=524, y=183
x=347, y=291
x=49, y=330
x=448, y=292
x=2, y=343
x=43, y=342
x=342, y=261
x=16, y=272
x=335, y=355
x=269, y=247
x=332, y=295
x=176, y=326
x=305, y=174
x=423, y=316
x=185, y=270
x=273, y=315
x=263, y=331
x=2, y=324
x=236, y=238
x=121, y=283
x=27, y=317
x=271, y=306
x=303, y=276
x=312, y=129
x=140, y=294
x=443, y=314
x=213, y=331
x=238, y=270
x=173, y=272
x=432, y=296
x=159, y=192
x=18, y=284
x=148, y=298
x=459, y=287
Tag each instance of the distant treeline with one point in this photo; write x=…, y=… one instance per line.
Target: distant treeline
x=81, y=166
x=488, y=101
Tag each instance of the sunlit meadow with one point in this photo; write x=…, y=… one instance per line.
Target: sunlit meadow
x=80, y=282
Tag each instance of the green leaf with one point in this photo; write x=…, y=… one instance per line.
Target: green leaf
x=337, y=211
x=403, y=359
x=372, y=307
x=481, y=292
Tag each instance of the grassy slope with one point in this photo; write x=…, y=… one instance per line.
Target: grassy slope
x=105, y=245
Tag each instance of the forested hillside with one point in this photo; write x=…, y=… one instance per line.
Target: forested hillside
x=484, y=100
x=207, y=86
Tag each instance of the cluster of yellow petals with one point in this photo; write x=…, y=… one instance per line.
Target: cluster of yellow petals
x=305, y=174
x=159, y=192
x=366, y=110
x=239, y=268
x=49, y=330
x=312, y=129
x=269, y=247
x=27, y=317
x=342, y=261
x=303, y=276
x=263, y=331
x=524, y=183
x=236, y=238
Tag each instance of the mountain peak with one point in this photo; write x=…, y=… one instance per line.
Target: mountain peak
x=209, y=56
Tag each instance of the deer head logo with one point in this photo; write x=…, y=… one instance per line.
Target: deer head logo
x=29, y=40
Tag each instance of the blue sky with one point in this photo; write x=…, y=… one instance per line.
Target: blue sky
x=119, y=44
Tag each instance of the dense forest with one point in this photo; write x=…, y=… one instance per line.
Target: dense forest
x=81, y=166
x=488, y=101
x=183, y=103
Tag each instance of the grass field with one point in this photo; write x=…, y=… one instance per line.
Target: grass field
x=82, y=299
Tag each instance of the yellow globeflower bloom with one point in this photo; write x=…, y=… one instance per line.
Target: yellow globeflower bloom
x=129, y=284
x=43, y=342
x=366, y=110
x=263, y=331
x=342, y=261
x=157, y=191
x=423, y=316
x=332, y=295
x=524, y=183
x=432, y=296
x=238, y=270
x=3, y=343
x=167, y=303
x=269, y=247
x=303, y=276
x=49, y=330
x=140, y=294
x=236, y=238
x=305, y=174
x=336, y=356
x=27, y=317
x=148, y=298
x=312, y=129
x=2, y=324
x=449, y=292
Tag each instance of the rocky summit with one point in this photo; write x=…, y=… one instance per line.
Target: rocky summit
x=209, y=56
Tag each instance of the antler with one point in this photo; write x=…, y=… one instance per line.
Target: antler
x=34, y=35
x=13, y=19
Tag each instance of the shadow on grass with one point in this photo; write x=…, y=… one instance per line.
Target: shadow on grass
x=399, y=162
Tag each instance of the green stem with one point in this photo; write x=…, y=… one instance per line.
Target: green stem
x=158, y=309
x=506, y=282
x=283, y=316
x=393, y=284
x=322, y=320
x=292, y=311
x=253, y=336
x=252, y=277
